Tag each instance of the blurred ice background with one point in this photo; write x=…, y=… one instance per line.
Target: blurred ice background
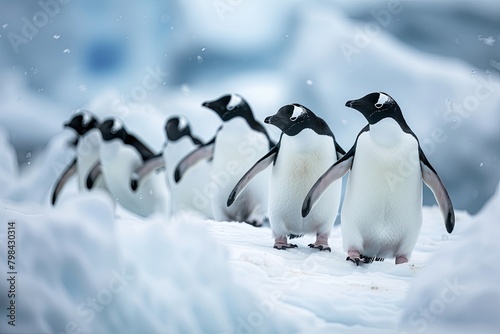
x=439, y=59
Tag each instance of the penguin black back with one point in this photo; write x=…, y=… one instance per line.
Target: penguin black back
x=113, y=128
x=82, y=122
x=178, y=127
x=230, y=106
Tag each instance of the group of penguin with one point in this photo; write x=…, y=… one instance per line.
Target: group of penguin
x=228, y=179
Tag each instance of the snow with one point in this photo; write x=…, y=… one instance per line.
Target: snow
x=89, y=265
x=146, y=61
x=458, y=289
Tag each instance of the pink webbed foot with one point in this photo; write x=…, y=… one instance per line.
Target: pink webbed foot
x=401, y=259
x=281, y=243
x=354, y=256
x=321, y=243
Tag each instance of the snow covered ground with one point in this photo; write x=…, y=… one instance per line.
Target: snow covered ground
x=87, y=265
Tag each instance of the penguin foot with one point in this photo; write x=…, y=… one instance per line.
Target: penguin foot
x=282, y=244
x=370, y=259
x=321, y=247
x=254, y=223
x=285, y=246
x=358, y=258
x=321, y=243
x=401, y=259
x=354, y=256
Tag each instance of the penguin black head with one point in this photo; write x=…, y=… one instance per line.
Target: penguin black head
x=293, y=118
x=376, y=106
x=113, y=128
x=230, y=106
x=176, y=128
x=82, y=122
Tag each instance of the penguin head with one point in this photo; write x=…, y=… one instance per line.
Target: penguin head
x=293, y=118
x=82, y=122
x=229, y=106
x=113, y=128
x=177, y=127
x=376, y=106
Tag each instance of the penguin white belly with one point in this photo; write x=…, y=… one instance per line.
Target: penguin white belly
x=87, y=151
x=188, y=194
x=301, y=160
x=118, y=163
x=382, y=210
x=237, y=148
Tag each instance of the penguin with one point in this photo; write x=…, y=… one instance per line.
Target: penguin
x=187, y=194
x=120, y=154
x=382, y=209
x=86, y=145
x=306, y=149
x=238, y=142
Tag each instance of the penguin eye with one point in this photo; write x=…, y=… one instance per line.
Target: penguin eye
x=382, y=99
x=296, y=112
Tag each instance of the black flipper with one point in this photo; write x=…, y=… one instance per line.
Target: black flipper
x=95, y=172
x=432, y=180
x=340, y=151
x=143, y=171
x=258, y=167
x=68, y=172
x=205, y=151
x=145, y=152
x=335, y=172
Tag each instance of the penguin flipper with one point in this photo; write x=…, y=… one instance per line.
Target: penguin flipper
x=68, y=172
x=258, y=167
x=155, y=163
x=432, y=180
x=205, y=151
x=143, y=150
x=339, y=150
x=95, y=172
x=335, y=172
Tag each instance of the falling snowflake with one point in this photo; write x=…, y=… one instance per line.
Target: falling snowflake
x=490, y=41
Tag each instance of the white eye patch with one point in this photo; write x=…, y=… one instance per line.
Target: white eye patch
x=233, y=102
x=86, y=118
x=297, y=111
x=382, y=98
x=117, y=125
x=183, y=123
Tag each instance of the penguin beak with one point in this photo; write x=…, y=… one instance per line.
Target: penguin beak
x=206, y=104
x=268, y=120
x=355, y=104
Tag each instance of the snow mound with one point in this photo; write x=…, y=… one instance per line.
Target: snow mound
x=121, y=274
x=459, y=288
